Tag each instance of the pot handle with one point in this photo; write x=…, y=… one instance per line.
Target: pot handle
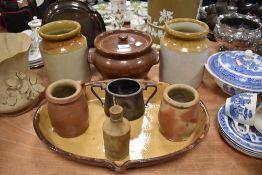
x=157, y=57
x=99, y=85
x=91, y=55
x=153, y=85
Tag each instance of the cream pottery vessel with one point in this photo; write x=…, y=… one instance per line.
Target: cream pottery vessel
x=183, y=52
x=64, y=51
x=19, y=88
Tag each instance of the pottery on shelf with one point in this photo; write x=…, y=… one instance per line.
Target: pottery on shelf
x=67, y=108
x=183, y=51
x=236, y=71
x=19, y=88
x=161, y=11
x=123, y=53
x=238, y=32
x=64, y=51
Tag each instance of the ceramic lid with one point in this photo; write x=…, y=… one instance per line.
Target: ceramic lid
x=240, y=68
x=123, y=43
x=35, y=22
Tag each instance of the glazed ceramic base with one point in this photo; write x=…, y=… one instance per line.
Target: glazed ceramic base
x=22, y=111
x=147, y=145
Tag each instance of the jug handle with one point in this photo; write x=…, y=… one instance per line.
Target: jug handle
x=153, y=85
x=94, y=92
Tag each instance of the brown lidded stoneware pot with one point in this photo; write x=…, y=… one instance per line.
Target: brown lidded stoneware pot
x=67, y=108
x=123, y=53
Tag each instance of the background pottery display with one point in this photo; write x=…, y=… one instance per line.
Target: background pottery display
x=123, y=53
x=236, y=71
x=161, y=11
x=64, y=51
x=178, y=112
x=183, y=51
x=238, y=32
x=91, y=21
x=19, y=88
x=67, y=108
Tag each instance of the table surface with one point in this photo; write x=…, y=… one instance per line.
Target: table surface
x=21, y=152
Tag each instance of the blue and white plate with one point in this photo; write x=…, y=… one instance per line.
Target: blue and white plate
x=237, y=147
x=250, y=141
x=237, y=68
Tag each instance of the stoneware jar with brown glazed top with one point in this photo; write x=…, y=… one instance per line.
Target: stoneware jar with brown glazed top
x=161, y=11
x=67, y=108
x=178, y=113
x=64, y=51
x=183, y=51
x=123, y=53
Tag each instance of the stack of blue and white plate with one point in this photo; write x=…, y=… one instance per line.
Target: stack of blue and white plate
x=249, y=143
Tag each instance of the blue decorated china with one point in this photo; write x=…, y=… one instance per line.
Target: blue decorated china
x=250, y=141
x=236, y=71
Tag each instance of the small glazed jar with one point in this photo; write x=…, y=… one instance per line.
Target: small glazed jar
x=179, y=111
x=67, y=108
x=116, y=134
x=64, y=51
x=123, y=53
x=184, y=51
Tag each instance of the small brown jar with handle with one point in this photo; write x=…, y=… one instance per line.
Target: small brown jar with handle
x=67, y=108
x=116, y=133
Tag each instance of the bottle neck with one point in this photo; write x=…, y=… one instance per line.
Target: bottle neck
x=116, y=120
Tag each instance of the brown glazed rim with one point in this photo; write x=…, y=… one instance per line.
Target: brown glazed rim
x=65, y=100
x=61, y=24
x=183, y=35
x=109, y=164
x=115, y=54
x=180, y=104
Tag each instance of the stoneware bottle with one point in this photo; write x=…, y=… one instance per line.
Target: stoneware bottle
x=116, y=133
x=64, y=51
x=178, y=113
x=67, y=108
x=184, y=51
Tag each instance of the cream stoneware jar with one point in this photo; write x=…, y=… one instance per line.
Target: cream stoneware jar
x=64, y=51
x=183, y=51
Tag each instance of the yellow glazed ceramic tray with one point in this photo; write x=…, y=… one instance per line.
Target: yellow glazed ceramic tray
x=147, y=145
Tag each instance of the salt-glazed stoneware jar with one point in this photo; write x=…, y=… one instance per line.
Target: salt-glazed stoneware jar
x=183, y=51
x=161, y=11
x=67, y=108
x=179, y=111
x=64, y=51
x=123, y=53
x=19, y=88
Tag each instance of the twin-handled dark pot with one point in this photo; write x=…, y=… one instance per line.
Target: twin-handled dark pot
x=126, y=92
x=123, y=53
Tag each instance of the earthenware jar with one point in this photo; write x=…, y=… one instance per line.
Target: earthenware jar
x=19, y=88
x=127, y=93
x=183, y=51
x=64, y=51
x=235, y=31
x=161, y=11
x=178, y=113
x=123, y=53
x=116, y=134
x=67, y=108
